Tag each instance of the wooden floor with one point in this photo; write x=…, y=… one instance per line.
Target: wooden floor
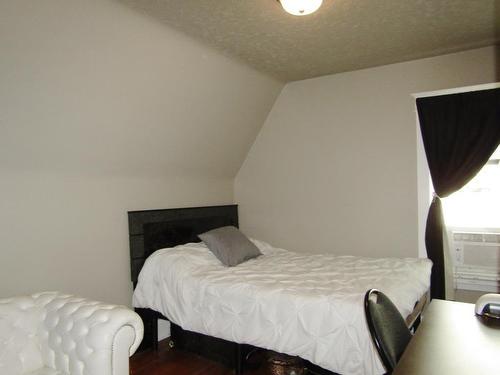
x=175, y=362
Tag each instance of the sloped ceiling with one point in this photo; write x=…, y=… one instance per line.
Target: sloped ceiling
x=343, y=35
x=97, y=87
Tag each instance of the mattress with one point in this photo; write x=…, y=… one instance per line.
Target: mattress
x=305, y=305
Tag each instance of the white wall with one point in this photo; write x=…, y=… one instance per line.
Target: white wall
x=103, y=110
x=334, y=168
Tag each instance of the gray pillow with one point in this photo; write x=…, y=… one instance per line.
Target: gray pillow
x=229, y=245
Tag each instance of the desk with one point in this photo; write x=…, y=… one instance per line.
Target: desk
x=452, y=340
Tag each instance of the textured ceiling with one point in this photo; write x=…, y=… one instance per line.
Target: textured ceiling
x=343, y=35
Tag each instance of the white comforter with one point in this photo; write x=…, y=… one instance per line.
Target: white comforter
x=305, y=305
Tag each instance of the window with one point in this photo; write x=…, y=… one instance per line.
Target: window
x=477, y=204
x=472, y=215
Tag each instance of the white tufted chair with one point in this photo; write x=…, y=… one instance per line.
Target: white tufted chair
x=56, y=334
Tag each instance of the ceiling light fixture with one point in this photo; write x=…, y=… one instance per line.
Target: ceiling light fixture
x=300, y=7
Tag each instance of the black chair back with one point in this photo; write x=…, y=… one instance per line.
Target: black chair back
x=387, y=328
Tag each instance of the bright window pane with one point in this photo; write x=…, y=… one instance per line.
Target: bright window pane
x=477, y=205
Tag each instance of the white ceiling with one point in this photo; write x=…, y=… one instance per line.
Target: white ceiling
x=343, y=35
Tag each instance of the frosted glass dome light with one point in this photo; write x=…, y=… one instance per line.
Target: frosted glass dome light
x=301, y=7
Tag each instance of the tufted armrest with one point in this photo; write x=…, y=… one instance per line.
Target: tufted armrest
x=77, y=336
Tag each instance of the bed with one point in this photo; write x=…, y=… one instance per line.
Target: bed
x=311, y=308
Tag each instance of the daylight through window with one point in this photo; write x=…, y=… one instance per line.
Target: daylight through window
x=477, y=204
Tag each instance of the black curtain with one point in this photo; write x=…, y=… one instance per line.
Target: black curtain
x=459, y=132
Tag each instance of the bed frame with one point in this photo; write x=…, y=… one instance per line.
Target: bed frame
x=151, y=230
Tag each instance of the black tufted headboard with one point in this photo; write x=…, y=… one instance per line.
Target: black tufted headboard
x=151, y=230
